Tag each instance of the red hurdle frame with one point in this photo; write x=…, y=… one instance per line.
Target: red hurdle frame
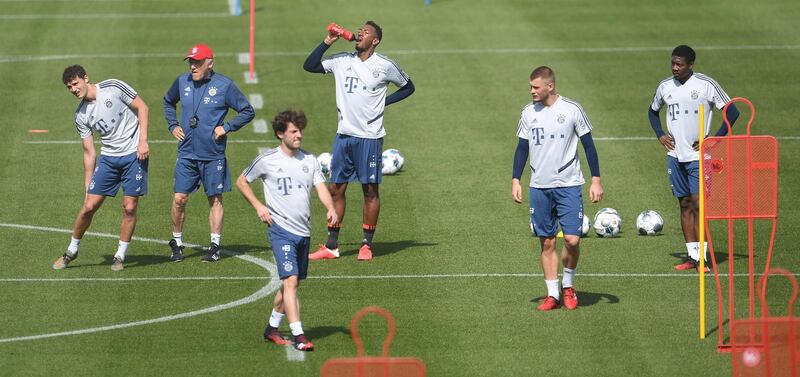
x=741, y=183
x=362, y=365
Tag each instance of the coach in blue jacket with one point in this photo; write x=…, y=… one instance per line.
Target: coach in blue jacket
x=205, y=98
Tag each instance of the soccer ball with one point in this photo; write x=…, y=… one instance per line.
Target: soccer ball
x=325, y=163
x=392, y=161
x=585, y=227
x=649, y=223
x=608, y=210
x=607, y=223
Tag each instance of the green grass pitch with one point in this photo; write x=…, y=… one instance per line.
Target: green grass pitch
x=455, y=262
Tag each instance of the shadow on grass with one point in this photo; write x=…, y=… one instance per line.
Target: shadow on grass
x=587, y=299
x=380, y=249
x=720, y=257
x=133, y=260
x=189, y=253
x=715, y=329
x=326, y=331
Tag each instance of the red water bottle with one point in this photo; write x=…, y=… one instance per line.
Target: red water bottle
x=340, y=31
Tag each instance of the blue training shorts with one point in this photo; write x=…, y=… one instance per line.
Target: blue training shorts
x=561, y=204
x=684, y=177
x=355, y=158
x=126, y=170
x=213, y=174
x=290, y=252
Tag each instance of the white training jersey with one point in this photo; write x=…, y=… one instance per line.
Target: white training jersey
x=110, y=116
x=553, y=133
x=361, y=88
x=287, y=187
x=683, y=103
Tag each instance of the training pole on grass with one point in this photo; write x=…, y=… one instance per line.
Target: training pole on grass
x=701, y=232
x=740, y=183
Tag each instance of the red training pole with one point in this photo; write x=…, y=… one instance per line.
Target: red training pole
x=252, y=38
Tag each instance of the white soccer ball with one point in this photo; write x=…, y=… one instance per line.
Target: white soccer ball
x=392, y=161
x=649, y=223
x=585, y=227
x=607, y=224
x=608, y=210
x=325, y=163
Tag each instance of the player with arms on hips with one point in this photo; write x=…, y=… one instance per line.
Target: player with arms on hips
x=549, y=130
x=205, y=97
x=362, y=79
x=682, y=93
x=288, y=173
x=113, y=110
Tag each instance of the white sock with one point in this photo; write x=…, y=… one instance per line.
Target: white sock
x=552, y=288
x=73, y=246
x=705, y=256
x=215, y=238
x=275, y=319
x=567, y=276
x=122, y=249
x=297, y=328
x=178, y=237
x=691, y=248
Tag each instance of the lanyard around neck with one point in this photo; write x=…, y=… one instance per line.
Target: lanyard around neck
x=202, y=90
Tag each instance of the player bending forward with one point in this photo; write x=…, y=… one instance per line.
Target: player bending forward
x=114, y=110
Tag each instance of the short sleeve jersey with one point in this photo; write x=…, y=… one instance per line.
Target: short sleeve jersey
x=110, y=116
x=553, y=133
x=287, y=186
x=361, y=88
x=683, y=104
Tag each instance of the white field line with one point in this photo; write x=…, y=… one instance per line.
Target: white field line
x=97, y=1
x=107, y=16
x=232, y=141
x=364, y=277
x=261, y=129
x=257, y=101
x=251, y=79
x=260, y=126
x=123, y=280
x=234, y=7
x=478, y=51
x=265, y=291
x=293, y=354
x=653, y=138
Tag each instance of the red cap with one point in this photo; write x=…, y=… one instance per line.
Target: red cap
x=199, y=52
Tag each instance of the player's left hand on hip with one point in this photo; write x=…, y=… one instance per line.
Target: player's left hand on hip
x=219, y=133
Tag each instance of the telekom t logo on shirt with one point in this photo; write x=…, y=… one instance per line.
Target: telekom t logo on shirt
x=285, y=184
x=350, y=83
